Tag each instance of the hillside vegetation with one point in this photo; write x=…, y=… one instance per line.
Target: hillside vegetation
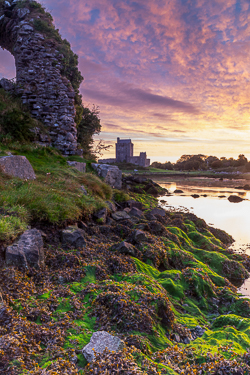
x=173, y=301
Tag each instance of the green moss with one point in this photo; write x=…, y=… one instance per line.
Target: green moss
x=120, y=196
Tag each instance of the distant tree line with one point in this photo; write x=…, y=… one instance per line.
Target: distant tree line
x=203, y=162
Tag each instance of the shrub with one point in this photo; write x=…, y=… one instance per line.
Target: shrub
x=18, y=125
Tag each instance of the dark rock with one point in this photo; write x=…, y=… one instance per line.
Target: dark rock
x=124, y=248
x=222, y=235
x=139, y=236
x=176, y=337
x=74, y=237
x=111, y=206
x=157, y=228
x=199, y=331
x=82, y=225
x=158, y=211
x=27, y=251
x=134, y=204
x=7, y=85
x=195, y=196
x=221, y=196
x=143, y=226
x=17, y=166
x=136, y=212
x=178, y=191
x=101, y=215
x=235, y=199
x=186, y=340
x=120, y=215
x=100, y=341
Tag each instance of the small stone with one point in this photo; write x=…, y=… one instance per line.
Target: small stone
x=111, y=206
x=131, y=203
x=100, y=341
x=186, y=340
x=81, y=167
x=22, y=12
x=235, y=199
x=157, y=211
x=140, y=236
x=82, y=225
x=120, y=215
x=124, y=248
x=136, y=212
x=157, y=228
x=101, y=215
x=82, y=188
x=73, y=236
x=70, y=137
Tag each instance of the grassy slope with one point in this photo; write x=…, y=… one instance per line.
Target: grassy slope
x=55, y=196
x=102, y=289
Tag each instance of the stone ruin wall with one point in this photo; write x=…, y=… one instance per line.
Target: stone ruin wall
x=49, y=95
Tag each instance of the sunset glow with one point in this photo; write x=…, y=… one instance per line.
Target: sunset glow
x=173, y=75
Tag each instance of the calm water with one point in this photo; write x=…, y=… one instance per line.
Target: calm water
x=216, y=210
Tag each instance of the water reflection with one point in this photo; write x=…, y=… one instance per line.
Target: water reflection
x=216, y=210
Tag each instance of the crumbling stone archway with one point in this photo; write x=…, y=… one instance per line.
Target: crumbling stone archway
x=28, y=35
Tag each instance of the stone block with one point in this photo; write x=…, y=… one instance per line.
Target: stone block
x=100, y=341
x=124, y=248
x=120, y=215
x=27, y=251
x=17, y=166
x=81, y=167
x=73, y=236
x=112, y=175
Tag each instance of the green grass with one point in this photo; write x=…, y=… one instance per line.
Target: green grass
x=55, y=196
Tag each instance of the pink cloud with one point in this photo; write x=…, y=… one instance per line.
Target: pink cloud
x=182, y=66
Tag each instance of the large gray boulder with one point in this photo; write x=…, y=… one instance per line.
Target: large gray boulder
x=111, y=174
x=81, y=167
x=73, y=236
x=100, y=341
x=17, y=166
x=27, y=251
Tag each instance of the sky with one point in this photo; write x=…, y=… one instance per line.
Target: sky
x=172, y=75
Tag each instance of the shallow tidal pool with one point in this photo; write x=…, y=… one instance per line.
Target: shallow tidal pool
x=215, y=209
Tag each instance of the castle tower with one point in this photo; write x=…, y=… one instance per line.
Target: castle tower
x=124, y=149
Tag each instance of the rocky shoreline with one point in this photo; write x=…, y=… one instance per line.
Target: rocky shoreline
x=160, y=282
